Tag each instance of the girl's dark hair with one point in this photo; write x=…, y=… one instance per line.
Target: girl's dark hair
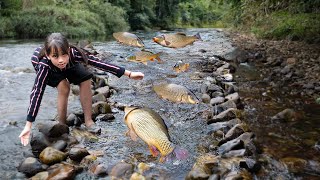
x=56, y=41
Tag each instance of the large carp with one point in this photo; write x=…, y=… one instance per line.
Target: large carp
x=128, y=39
x=150, y=127
x=177, y=40
x=144, y=56
x=174, y=93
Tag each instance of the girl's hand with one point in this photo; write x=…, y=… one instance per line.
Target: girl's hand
x=25, y=134
x=136, y=75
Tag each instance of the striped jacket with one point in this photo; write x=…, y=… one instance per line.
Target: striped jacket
x=43, y=67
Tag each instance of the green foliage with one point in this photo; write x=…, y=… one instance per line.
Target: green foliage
x=276, y=19
x=111, y=16
x=303, y=26
x=40, y=21
x=6, y=27
x=8, y=7
x=200, y=13
x=141, y=14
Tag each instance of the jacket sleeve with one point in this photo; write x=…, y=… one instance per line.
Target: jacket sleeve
x=97, y=63
x=37, y=91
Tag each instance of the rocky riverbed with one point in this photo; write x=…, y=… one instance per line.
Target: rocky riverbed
x=250, y=123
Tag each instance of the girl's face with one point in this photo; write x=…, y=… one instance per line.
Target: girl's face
x=58, y=59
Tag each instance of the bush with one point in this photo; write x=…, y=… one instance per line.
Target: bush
x=40, y=21
x=282, y=25
x=6, y=28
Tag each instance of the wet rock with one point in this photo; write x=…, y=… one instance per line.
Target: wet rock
x=233, y=133
x=142, y=167
x=295, y=165
x=101, y=108
x=122, y=170
x=217, y=100
x=104, y=90
x=60, y=145
x=217, y=94
x=72, y=120
x=40, y=176
x=99, y=170
x=235, y=153
x=233, y=97
x=38, y=143
x=205, y=98
x=75, y=90
x=250, y=164
x=98, y=98
x=224, y=125
x=202, y=167
x=53, y=129
x=223, y=116
x=50, y=156
x=227, y=105
x=83, y=135
x=77, y=153
x=88, y=160
x=99, y=81
x=30, y=166
x=137, y=176
x=105, y=117
x=285, y=115
x=230, y=145
x=62, y=171
x=241, y=174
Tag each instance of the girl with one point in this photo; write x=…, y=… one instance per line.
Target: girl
x=58, y=64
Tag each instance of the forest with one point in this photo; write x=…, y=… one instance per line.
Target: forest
x=273, y=19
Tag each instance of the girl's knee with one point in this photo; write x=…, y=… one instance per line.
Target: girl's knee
x=64, y=87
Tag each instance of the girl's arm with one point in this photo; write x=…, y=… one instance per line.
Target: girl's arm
x=108, y=67
x=38, y=90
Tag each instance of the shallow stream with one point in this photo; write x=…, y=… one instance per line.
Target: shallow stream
x=186, y=126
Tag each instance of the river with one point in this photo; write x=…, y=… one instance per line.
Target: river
x=187, y=128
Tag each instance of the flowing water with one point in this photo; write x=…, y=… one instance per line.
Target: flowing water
x=186, y=126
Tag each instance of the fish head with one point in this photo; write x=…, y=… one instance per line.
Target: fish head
x=160, y=40
x=189, y=99
x=139, y=44
x=127, y=110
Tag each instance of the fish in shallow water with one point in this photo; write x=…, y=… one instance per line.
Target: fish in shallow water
x=144, y=56
x=150, y=127
x=128, y=39
x=175, y=93
x=177, y=40
x=181, y=67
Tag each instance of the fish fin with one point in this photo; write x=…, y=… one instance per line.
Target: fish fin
x=159, y=60
x=167, y=43
x=198, y=36
x=154, y=151
x=151, y=59
x=181, y=33
x=177, y=153
x=157, y=57
x=145, y=63
x=133, y=134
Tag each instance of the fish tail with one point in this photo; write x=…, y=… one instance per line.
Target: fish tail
x=198, y=36
x=177, y=153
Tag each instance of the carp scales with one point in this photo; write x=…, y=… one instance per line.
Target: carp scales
x=177, y=40
x=174, y=93
x=128, y=39
x=151, y=128
x=144, y=56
